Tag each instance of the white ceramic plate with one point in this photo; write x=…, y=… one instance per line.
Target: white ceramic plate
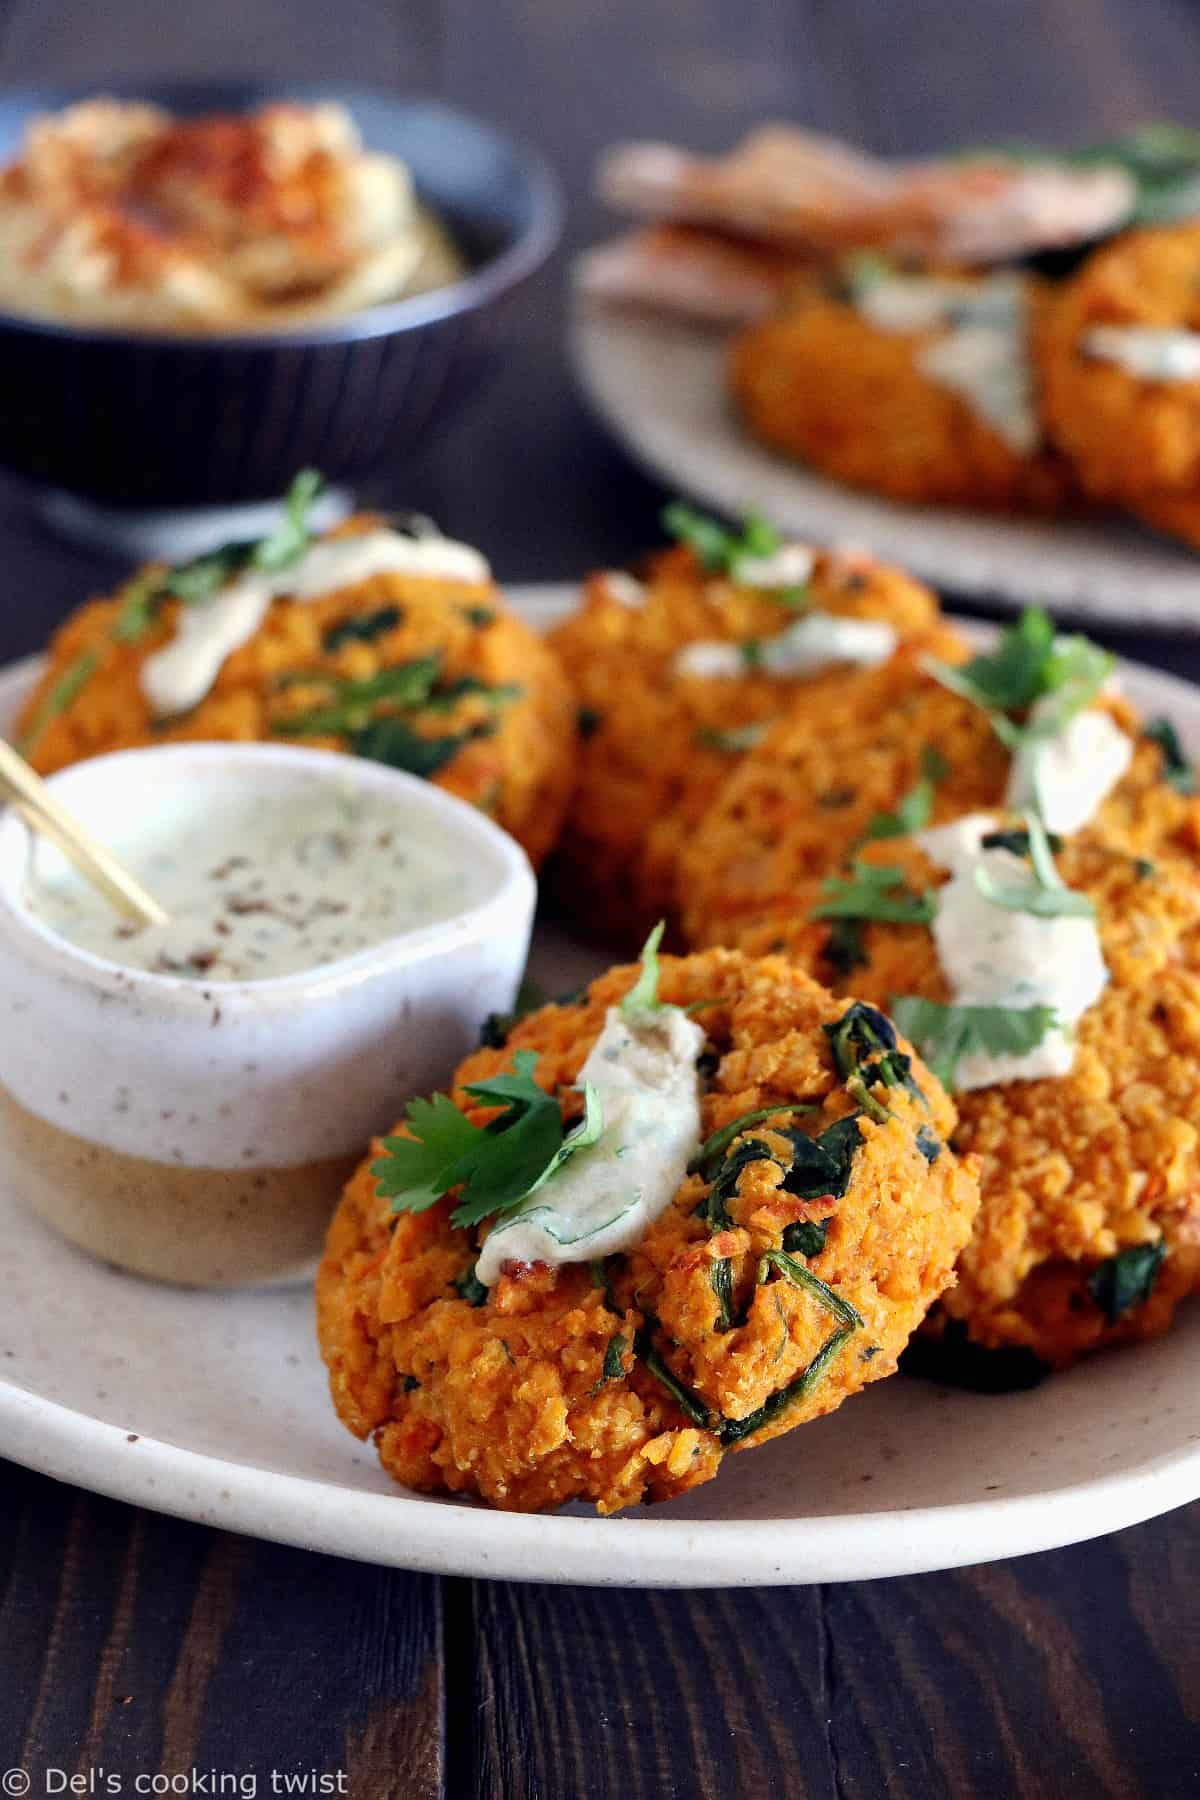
x=213, y=1407
x=659, y=386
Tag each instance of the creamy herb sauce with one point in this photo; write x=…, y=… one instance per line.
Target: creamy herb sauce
x=817, y=641
x=643, y=1068
x=265, y=885
x=992, y=956
x=178, y=676
x=1150, y=353
x=1067, y=777
x=982, y=352
x=789, y=566
x=624, y=588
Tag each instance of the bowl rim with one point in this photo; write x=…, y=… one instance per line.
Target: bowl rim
x=511, y=884
x=389, y=318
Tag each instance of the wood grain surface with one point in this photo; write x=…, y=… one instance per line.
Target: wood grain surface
x=135, y=1644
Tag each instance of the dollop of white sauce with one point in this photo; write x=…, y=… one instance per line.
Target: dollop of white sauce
x=1148, y=352
x=179, y=675
x=643, y=1068
x=982, y=354
x=789, y=566
x=1068, y=777
x=819, y=640
x=992, y=956
x=624, y=588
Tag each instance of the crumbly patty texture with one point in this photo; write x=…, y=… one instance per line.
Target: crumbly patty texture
x=821, y=383
x=1075, y=1171
x=798, y=804
x=501, y=721
x=655, y=746
x=1132, y=441
x=621, y=1383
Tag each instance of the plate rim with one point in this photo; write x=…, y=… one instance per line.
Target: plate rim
x=396, y=1530
x=898, y=532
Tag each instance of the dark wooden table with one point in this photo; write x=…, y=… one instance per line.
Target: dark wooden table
x=133, y=1644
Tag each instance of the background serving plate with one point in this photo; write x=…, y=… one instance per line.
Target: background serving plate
x=213, y=1407
x=659, y=386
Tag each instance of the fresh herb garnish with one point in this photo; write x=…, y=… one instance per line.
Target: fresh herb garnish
x=1127, y=1279
x=915, y=808
x=643, y=995
x=1176, y=768
x=875, y=893
x=190, y=582
x=1047, y=896
x=479, y=616
x=717, y=549
x=1028, y=663
x=945, y=1034
x=1144, y=869
x=496, y=1166
x=363, y=629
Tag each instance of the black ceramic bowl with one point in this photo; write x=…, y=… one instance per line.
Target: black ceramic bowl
x=159, y=420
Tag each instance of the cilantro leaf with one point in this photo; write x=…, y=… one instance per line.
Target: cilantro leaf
x=945, y=1034
x=289, y=540
x=1011, y=676
x=418, y=1170
x=867, y=893
x=643, y=995
x=1047, y=896
x=1176, y=768
x=1029, y=662
x=496, y=1165
x=718, y=550
x=1127, y=1279
x=915, y=808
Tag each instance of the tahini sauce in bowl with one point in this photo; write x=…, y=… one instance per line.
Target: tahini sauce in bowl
x=187, y=1100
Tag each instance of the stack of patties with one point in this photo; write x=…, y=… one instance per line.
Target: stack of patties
x=681, y=670
x=1006, y=858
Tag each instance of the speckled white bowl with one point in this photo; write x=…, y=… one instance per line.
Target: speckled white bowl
x=199, y=1131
